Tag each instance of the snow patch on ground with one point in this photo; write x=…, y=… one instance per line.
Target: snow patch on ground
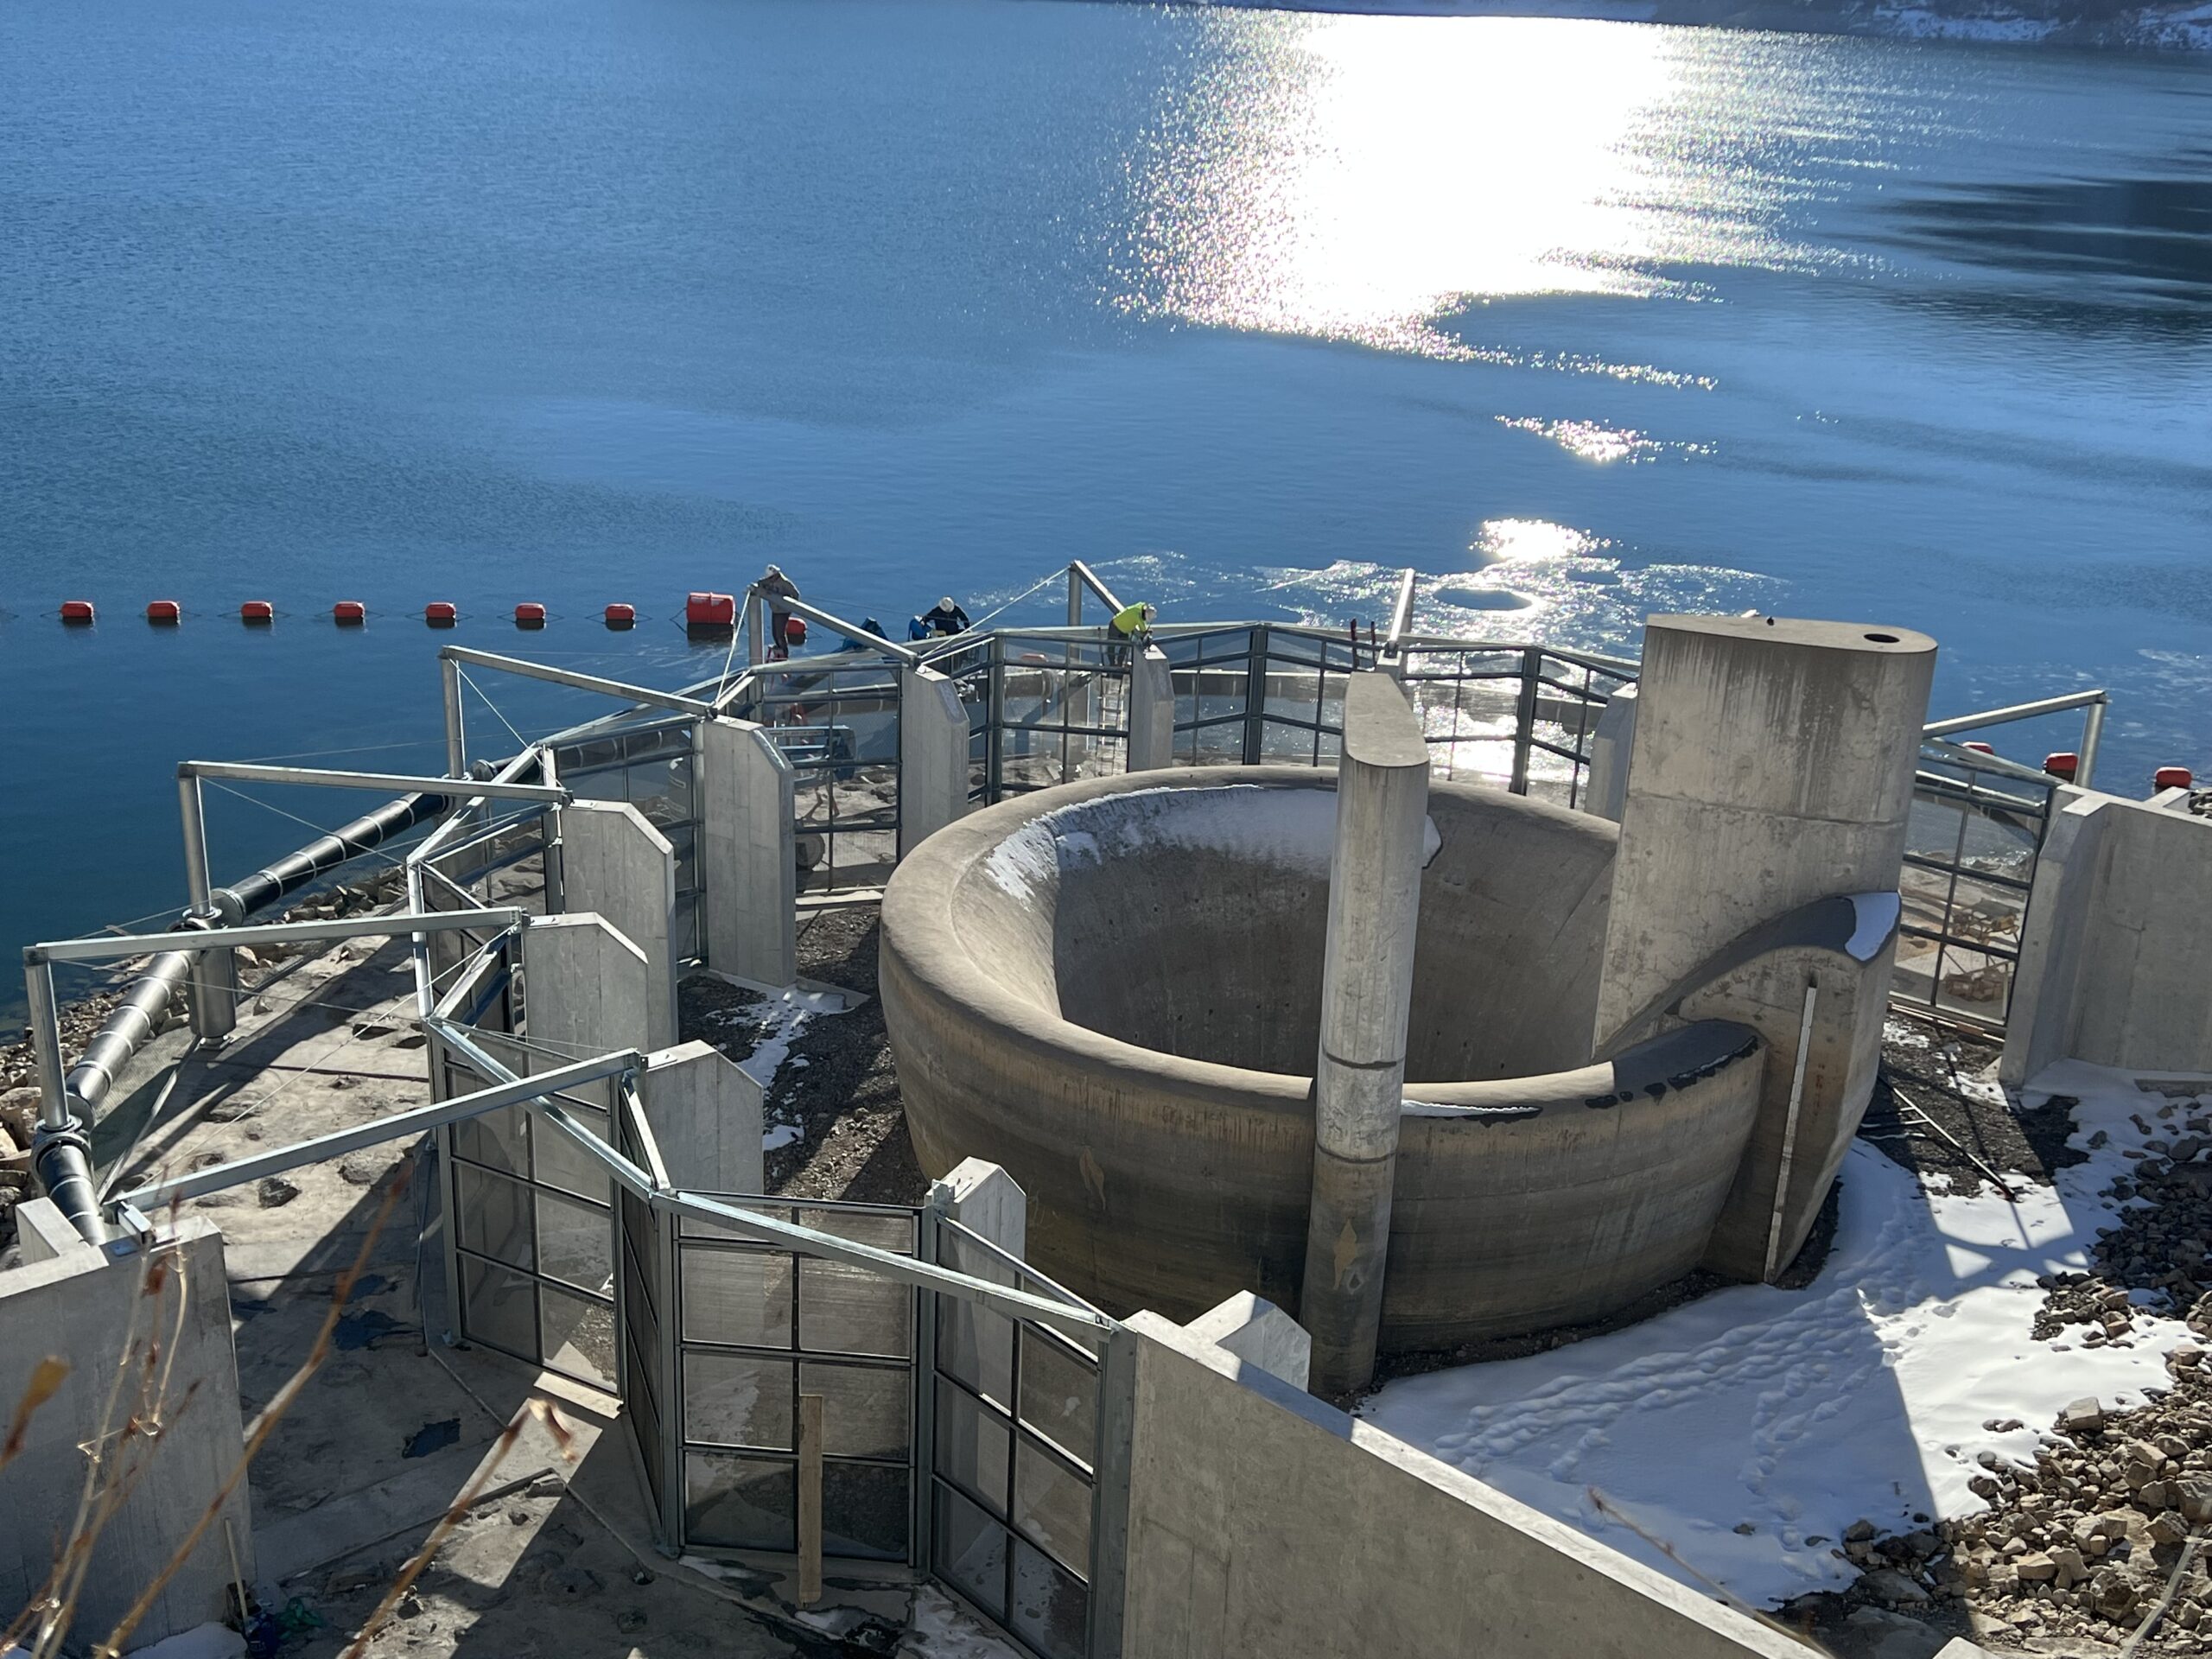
x=941, y=1628
x=783, y=1016
x=1792, y=1413
x=1286, y=829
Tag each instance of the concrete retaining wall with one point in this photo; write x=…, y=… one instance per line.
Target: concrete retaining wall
x=1263, y=1523
x=2117, y=950
x=69, y=1299
x=1169, y=1180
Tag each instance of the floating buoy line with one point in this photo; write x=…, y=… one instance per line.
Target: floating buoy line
x=712, y=615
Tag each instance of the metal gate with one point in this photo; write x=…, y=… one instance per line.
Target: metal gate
x=529, y=1256
x=1975, y=830
x=1014, y=1454
x=754, y=1327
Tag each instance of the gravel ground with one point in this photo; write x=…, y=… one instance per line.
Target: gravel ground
x=837, y=1095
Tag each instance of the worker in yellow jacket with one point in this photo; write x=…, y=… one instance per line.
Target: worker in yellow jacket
x=1132, y=626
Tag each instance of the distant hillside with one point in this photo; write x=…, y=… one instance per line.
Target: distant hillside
x=2126, y=25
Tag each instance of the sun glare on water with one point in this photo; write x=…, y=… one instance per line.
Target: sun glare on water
x=1358, y=177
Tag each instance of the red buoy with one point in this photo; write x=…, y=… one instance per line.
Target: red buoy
x=76, y=610
x=350, y=612
x=2173, y=778
x=164, y=610
x=529, y=614
x=440, y=614
x=2062, y=762
x=621, y=616
x=257, y=610
x=710, y=610
x=1978, y=748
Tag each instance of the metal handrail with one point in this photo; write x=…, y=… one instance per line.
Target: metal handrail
x=835, y=624
x=390, y=783
x=2093, y=723
x=1083, y=573
x=569, y=676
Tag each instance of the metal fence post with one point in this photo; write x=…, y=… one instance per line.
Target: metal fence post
x=1110, y=1492
x=2093, y=732
x=1524, y=716
x=46, y=1041
x=671, y=1401
x=214, y=982
x=456, y=730
x=1255, y=695
x=994, y=723
x=929, y=1245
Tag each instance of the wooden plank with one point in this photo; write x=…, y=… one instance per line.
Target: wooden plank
x=810, y=1500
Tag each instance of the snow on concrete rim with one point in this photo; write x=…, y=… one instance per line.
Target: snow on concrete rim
x=1791, y=1414
x=1292, y=827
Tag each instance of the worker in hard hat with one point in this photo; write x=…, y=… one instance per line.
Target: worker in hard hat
x=1132, y=628
x=772, y=585
x=945, y=617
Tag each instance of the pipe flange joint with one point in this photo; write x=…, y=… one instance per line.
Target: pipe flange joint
x=71, y=1134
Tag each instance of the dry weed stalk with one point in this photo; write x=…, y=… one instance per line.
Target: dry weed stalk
x=264, y=1427
x=122, y=1447
x=46, y=1377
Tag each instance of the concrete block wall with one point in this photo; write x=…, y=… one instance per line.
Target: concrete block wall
x=748, y=870
x=705, y=1115
x=933, y=736
x=615, y=863
x=1152, y=711
x=72, y=1300
x=2117, y=947
x=586, y=988
x=1265, y=1525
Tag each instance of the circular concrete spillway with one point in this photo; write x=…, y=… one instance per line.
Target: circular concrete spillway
x=1113, y=989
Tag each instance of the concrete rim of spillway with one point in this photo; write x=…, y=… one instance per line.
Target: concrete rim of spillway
x=1167, y=1179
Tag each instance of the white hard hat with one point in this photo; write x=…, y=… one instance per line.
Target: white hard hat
x=774, y=571
x=946, y=604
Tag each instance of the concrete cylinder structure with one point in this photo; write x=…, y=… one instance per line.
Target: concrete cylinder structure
x=1113, y=988
x=1367, y=974
x=1772, y=765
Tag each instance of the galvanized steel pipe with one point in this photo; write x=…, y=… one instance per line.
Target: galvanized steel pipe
x=62, y=1153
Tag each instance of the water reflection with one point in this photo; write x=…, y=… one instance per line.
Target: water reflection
x=2154, y=233
x=1371, y=179
x=2075, y=256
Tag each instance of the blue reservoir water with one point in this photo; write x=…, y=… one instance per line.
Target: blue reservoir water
x=577, y=300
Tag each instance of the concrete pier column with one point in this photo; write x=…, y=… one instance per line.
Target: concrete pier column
x=748, y=869
x=1152, y=711
x=932, y=756
x=1772, y=766
x=1366, y=993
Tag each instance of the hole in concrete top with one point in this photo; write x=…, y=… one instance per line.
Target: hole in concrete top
x=1883, y=638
